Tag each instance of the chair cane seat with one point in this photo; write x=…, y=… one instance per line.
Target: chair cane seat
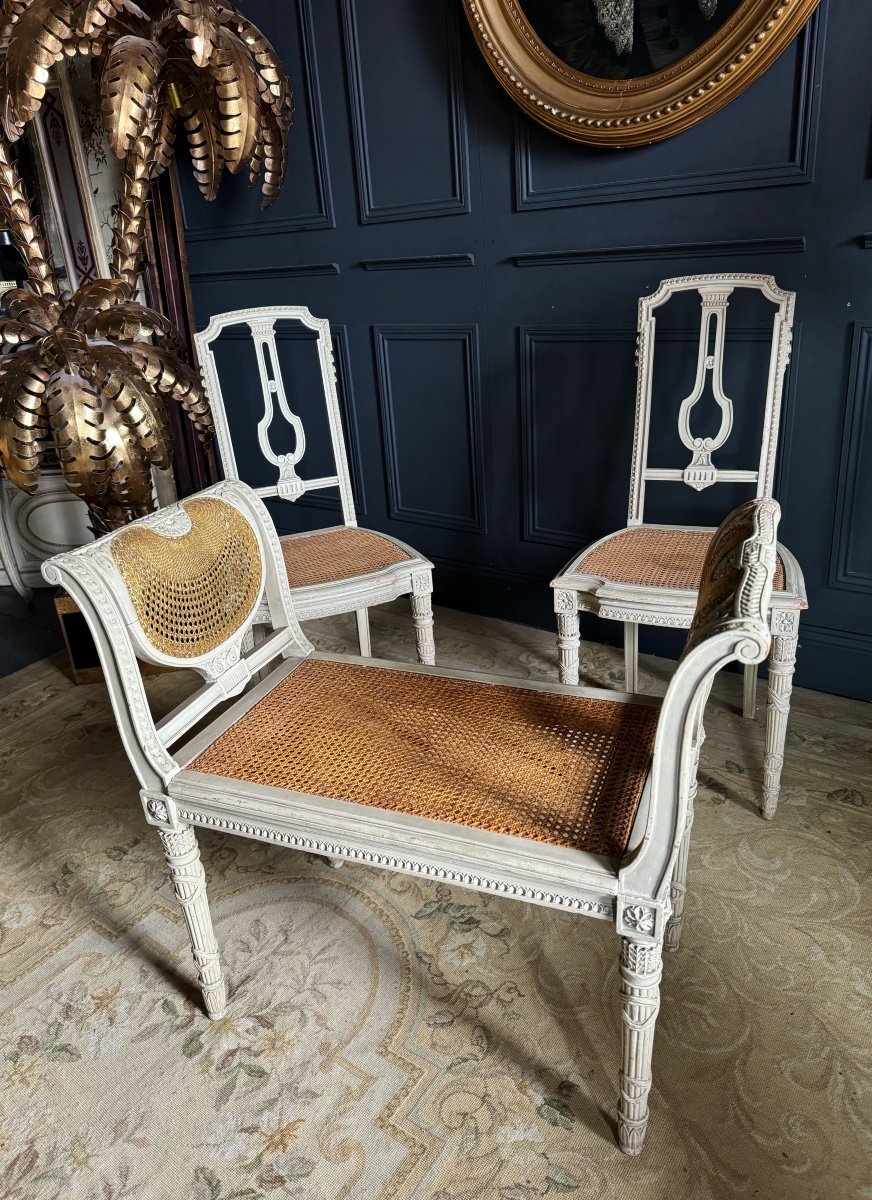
x=646, y=556
x=328, y=555
x=568, y=770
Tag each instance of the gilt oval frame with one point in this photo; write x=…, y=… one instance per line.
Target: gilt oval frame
x=633, y=112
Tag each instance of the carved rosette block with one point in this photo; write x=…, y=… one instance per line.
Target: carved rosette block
x=568, y=640
x=641, y=969
x=189, y=883
x=422, y=616
x=782, y=661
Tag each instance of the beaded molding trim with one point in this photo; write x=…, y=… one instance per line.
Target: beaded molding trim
x=409, y=865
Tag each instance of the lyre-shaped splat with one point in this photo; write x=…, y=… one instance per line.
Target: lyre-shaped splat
x=701, y=473
x=289, y=486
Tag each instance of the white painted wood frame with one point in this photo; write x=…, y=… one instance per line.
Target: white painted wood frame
x=642, y=894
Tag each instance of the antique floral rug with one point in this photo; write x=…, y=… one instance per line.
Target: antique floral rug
x=388, y=1037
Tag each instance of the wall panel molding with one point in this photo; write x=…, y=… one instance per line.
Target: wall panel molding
x=797, y=168
x=287, y=272
x=415, y=262
x=679, y=250
x=398, y=509
x=322, y=216
x=852, y=520
x=456, y=199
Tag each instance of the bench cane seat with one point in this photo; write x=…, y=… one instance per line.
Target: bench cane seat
x=568, y=770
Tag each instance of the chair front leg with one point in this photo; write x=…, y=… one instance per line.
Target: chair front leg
x=189, y=883
x=422, y=615
x=641, y=969
x=568, y=640
x=782, y=661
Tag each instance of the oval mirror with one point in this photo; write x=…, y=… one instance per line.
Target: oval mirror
x=628, y=72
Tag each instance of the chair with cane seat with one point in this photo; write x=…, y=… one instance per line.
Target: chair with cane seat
x=649, y=574
x=343, y=568
x=574, y=799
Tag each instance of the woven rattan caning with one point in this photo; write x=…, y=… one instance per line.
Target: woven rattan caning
x=648, y=557
x=192, y=592
x=568, y=770
x=331, y=554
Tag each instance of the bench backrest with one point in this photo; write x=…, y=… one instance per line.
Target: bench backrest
x=180, y=588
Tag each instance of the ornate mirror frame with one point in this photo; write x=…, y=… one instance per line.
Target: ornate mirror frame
x=633, y=112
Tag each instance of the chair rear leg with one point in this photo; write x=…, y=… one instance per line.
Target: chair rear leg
x=631, y=656
x=362, y=615
x=641, y=969
x=189, y=883
x=782, y=660
x=568, y=640
x=749, y=696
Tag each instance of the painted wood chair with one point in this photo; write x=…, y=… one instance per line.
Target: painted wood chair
x=649, y=574
x=575, y=799
x=342, y=568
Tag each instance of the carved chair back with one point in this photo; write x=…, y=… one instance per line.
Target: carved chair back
x=180, y=588
x=701, y=471
x=288, y=485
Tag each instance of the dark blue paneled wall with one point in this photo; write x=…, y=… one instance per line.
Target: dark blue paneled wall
x=481, y=277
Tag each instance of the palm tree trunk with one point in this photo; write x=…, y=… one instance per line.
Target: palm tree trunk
x=24, y=226
x=130, y=213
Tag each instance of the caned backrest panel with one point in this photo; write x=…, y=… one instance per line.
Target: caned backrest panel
x=194, y=591
x=277, y=410
x=701, y=469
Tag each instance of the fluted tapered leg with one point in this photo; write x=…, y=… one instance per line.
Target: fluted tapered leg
x=568, y=640
x=422, y=615
x=189, y=882
x=641, y=969
x=782, y=660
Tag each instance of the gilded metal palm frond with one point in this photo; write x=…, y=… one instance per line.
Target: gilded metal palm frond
x=238, y=95
x=138, y=404
x=200, y=21
x=172, y=377
x=82, y=378
x=132, y=322
x=130, y=87
x=199, y=115
x=36, y=42
x=23, y=380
